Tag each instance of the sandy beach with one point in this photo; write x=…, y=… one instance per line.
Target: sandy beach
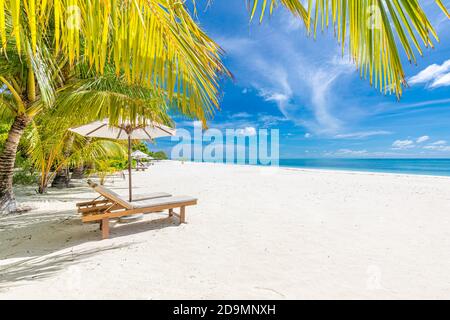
x=256, y=233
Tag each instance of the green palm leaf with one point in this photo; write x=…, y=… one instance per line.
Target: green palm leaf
x=372, y=30
x=152, y=43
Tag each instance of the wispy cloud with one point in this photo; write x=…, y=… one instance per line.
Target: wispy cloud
x=419, y=144
x=268, y=120
x=362, y=135
x=349, y=152
x=440, y=145
x=422, y=139
x=241, y=115
x=403, y=144
x=301, y=81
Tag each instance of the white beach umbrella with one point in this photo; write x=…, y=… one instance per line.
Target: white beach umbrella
x=139, y=155
x=144, y=130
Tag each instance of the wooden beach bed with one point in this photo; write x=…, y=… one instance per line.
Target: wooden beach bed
x=113, y=206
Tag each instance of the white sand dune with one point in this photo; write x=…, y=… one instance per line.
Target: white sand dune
x=256, y=233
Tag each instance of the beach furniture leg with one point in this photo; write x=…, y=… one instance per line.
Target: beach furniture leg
x=105, y=228
x=182, y=215
x=170, y=212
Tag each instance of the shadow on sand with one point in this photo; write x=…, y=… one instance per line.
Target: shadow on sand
x=38, y=268
x=42, y=242
x=42, y=233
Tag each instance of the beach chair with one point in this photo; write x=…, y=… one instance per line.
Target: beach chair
x=116, y=207
x=101, y=200
x=141, y=167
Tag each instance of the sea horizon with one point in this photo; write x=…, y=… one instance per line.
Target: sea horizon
x=413, y=166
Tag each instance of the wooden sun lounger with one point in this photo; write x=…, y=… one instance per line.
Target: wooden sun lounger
x=141, y=167
x=116, y=207
x=102, y=202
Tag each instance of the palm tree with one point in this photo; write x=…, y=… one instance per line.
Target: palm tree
x=372, y=30
x=47, y=148
x=106, y=96
x=29, y=85
x=151, y=43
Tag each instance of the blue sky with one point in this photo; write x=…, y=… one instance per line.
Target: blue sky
x=304, y=88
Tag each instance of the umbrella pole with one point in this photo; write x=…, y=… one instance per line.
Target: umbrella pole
x=129, y=168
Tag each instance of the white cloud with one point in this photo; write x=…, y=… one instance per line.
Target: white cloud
x=308, y=135
x=439, y=143
x=423, y=139
x=240, y=115
x=321, y=86
x=248, y=131
x=293, y=23
x=277, y=97
x=403, y=144
x=361, y=135
x=351, y=152
x=434, y=75
x=267, y=120
x=437, y=147
x=300, y=80
x=315, y=93
x=347, y=153
x=234, y=45
x=193, y=124
x=443, y=81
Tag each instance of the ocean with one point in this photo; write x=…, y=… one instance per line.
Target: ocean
x=434, y=167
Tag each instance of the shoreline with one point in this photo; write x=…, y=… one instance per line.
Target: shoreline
x=319, y=170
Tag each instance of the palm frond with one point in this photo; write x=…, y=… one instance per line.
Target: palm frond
x=372, y=30
x=92, y=151
x=109, y=96
x=47, y=146
x=152, y=43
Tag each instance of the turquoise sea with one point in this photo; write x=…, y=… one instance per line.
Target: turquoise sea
x=435, y=167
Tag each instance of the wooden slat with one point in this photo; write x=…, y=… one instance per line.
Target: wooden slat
x=92, y=203
x=123, y=213
x=109, y=207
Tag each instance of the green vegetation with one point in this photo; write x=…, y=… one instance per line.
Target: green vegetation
x=45, y=148
x=94, y=63
x=143, y=147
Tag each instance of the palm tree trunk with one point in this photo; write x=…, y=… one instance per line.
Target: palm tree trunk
x=7, y=161
x=43, y=186
x=78, y=172
x=62, y=177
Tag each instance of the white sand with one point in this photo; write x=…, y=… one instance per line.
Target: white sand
x=256, y=233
